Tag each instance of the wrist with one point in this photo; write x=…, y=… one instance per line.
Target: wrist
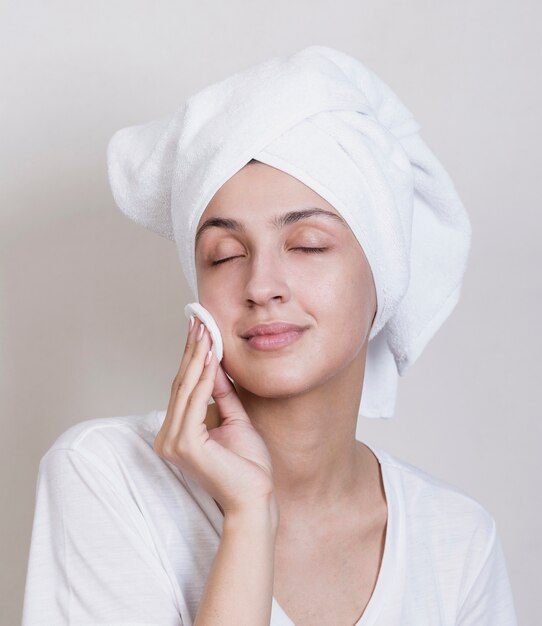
x=262, y=512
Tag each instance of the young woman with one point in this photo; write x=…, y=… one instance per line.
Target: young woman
x=262, y=508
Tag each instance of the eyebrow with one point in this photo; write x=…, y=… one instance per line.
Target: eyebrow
x=277, y=222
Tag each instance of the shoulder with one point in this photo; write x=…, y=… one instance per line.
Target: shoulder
x=83, y=435
x=438, y=512
x=110, y=444
x=429, y=494
x=451, y=544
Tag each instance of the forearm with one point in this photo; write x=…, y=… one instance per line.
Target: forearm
x=239, y=588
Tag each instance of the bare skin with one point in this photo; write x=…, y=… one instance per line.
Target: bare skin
x=302, y=399
x=344, y=575
x=233, y=464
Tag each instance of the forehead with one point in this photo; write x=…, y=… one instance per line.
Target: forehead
x=267, y=195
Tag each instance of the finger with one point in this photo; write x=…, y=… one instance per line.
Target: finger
x=187, y=355
x=196, y=407
x=226, y=398
x=188, y=348
x=182, y=389
x=177, y=400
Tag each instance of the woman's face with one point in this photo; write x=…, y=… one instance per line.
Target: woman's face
x=260, y=273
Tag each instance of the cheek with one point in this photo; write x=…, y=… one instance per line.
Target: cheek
x=342, y=300
x=221, y=310
x=332, y=288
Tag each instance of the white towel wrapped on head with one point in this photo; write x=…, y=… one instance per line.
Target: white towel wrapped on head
x=325, y=118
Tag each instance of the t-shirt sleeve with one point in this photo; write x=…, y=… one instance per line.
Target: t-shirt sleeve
x=90, y=560
x=489, y=600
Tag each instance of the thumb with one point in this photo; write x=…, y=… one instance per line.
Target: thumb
x=226, y=398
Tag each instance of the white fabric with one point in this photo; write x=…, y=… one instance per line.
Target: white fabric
x=121, y=537
x=327, y=119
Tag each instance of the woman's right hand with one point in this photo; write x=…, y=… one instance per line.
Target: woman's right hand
x=231, y=462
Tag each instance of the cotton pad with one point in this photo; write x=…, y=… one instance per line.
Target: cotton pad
x=195, y=308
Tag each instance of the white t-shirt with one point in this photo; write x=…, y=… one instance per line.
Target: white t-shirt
x=121, y=537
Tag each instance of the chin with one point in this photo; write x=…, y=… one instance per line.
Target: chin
x=273, y=380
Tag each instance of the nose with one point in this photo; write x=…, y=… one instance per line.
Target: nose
x=266, y=279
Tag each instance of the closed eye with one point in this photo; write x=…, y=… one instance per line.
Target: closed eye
x=307, y=250
x=223, y=260
x=310, y=249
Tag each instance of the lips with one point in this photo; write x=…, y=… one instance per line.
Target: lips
x=272, y=328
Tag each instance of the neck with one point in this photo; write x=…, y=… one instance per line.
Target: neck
x=311, y=437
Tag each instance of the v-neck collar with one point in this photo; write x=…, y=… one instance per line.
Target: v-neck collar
x=389, y=565
x=390, y=557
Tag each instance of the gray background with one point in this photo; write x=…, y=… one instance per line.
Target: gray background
x=91, y=305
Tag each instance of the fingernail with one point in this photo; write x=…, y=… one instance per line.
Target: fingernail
x=191, y=323
x=208, y=357
x=200, y=333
